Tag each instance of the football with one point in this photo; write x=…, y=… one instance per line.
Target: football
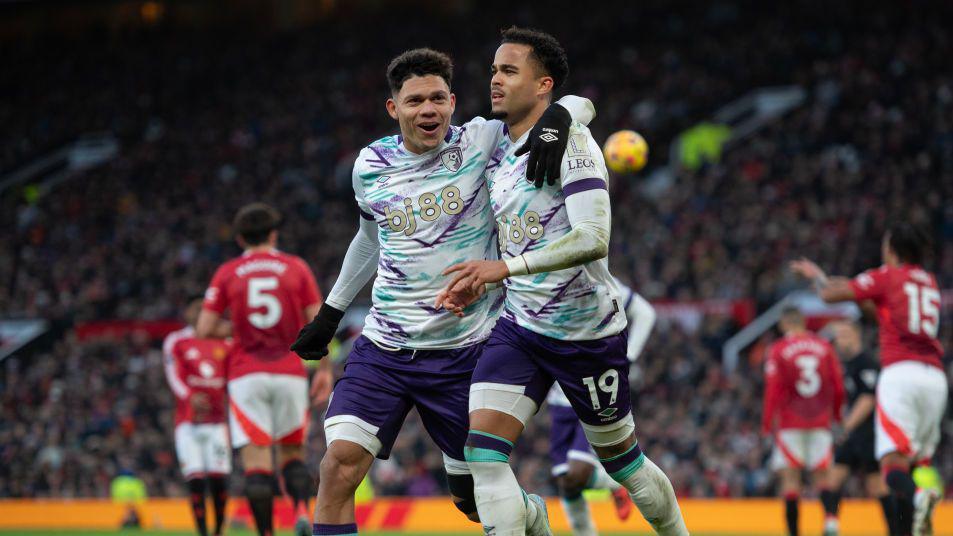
x=626, y=151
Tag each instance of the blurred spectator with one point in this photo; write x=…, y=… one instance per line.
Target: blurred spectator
x=210, y=121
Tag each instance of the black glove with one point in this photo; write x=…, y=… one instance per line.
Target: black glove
x=546, y=145
x=314, y=337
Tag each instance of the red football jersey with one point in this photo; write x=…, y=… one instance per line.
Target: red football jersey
x=196, y=366
x=804, y=386
x=266, y=294
x=908, y=312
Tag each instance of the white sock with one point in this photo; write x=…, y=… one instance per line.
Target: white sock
x=577, y=512
x=500, y=502
x=601, y=479
x=653, y=494
x=532, y=511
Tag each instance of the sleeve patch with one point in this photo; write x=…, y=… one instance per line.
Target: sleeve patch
x=578, y=146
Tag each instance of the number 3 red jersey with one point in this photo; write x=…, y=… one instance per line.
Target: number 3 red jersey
x=266, y=294
x=804, y=386
x=908, y=312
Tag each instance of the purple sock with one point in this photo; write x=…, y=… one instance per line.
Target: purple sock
x=325, y=529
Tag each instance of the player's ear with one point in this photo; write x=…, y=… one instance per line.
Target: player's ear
x=546, y=85
x=391, y=108
x=453, y=103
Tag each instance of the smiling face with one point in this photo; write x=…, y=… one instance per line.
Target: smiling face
x=423, y=107
x=518, y=82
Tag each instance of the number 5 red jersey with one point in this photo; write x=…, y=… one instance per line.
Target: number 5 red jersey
x=804, y=385
x=908, y=312
x=266, y=294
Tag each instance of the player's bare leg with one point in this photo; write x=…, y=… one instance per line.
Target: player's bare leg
x=259, y=485
x=343, y=467
x=504, y=508
x=298, y=484
x=791, y=491
x=647, y=485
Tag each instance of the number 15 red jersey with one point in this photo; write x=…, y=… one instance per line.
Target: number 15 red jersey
x=804, y=385
x=908, y=312
x=266, y=294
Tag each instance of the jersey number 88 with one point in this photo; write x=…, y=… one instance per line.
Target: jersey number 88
x=514, y=229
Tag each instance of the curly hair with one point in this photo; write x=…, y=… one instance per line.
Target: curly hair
x=418, y=62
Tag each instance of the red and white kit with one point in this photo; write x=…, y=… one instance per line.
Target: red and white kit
x=912, y=388
x=804, y=392
x=266, y=294
x=196, y=367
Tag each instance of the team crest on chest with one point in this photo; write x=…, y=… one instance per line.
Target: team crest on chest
x=452, y=158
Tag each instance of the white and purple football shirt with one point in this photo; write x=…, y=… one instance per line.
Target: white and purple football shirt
x=432, y=211
x=578, y=303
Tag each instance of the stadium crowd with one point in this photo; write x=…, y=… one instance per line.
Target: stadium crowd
x=209, y=122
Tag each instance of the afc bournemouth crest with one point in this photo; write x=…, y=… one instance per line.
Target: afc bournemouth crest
x=452, y=158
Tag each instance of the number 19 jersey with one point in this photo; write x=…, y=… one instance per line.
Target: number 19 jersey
x=266, y=294
x=432, y=211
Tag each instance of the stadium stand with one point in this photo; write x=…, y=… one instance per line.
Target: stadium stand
x=210, y=121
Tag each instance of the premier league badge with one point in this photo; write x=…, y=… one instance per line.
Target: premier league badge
x=452, y=158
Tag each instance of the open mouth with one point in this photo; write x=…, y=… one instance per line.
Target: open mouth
x=429, y=128
x=496, y=96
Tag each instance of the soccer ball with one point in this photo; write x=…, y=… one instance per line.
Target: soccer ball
x=626, y=151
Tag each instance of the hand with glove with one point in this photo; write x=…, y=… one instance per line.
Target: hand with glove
x=314, y=337
x=546, y=145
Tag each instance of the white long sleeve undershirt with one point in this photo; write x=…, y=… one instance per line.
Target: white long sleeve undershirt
x=642, y=317
x=360, y=265
x=580, y=108
x=590, y=218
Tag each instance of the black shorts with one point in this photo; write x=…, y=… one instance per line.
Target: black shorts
x=857, y=453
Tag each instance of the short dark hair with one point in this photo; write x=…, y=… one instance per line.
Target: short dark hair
x=910, y=242
x=255, y=221
x=545, y=49
x=418, y=62
x=792, y=315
